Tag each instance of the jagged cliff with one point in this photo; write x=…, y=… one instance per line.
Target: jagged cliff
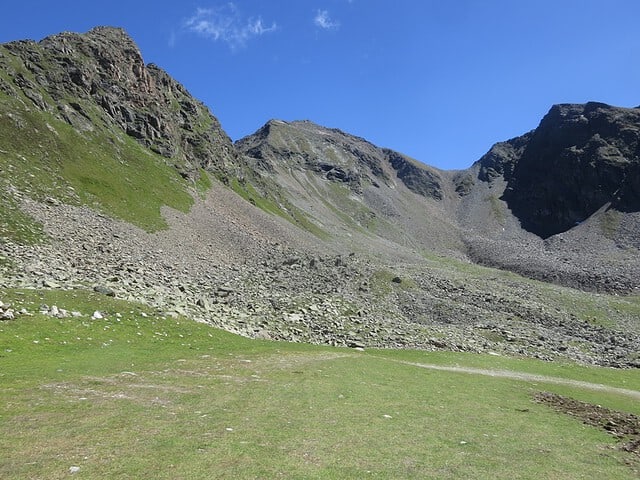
x=99, y=79
x=581, y=158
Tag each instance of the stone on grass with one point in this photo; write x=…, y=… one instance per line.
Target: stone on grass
x=104, y=290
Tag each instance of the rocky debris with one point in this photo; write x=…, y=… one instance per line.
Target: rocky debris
x=586, y=265
x=109, y=292
x=311, y=296
x=624, y=426
x=6, y=312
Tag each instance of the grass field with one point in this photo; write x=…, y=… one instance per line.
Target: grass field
x=135, y=395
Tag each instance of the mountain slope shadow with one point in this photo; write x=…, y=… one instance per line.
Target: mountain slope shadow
x=580, y=158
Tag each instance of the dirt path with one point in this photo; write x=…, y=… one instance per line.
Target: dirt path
x=529, y=377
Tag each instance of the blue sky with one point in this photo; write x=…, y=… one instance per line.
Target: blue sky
x=440, y=81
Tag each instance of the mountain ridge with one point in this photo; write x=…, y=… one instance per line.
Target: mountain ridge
x=115, y=176
x=105, y=68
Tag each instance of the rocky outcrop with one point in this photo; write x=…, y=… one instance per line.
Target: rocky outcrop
x=580, y=158
x=502, y=158
x=336, y=156
x=416, y=177
x=99, y=79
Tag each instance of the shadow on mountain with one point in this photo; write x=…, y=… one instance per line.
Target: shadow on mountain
x=580, y=159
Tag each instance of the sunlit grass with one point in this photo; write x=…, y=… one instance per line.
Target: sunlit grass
x=42, y=157
x=141, y=396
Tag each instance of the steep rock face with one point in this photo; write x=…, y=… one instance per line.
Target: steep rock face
x=560, y=203
x=100, y=79
x=416, y=177
x=580, y=158
x=502, y=158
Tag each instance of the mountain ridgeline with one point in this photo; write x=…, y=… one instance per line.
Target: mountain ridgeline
x=99, y=79
x=580, y=159
x=112, y=173
x=581, y=165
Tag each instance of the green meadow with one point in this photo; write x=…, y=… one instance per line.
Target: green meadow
x=136, y=395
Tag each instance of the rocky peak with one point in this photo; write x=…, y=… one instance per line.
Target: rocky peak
x=335, y=155
x=579, y=159
x=101, y=75
x=112, y=47
x=501, y=159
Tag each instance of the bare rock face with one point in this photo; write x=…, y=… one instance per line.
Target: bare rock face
x=337, y=156
x=100, y=78
x=580, y=158
x=564, y=200
x=501, y=159
x=416, y=177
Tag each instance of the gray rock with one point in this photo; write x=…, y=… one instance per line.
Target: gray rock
x=109, y=292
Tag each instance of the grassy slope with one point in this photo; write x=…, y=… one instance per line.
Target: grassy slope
x=274, y=202
x=146, y=397
x=45, y=157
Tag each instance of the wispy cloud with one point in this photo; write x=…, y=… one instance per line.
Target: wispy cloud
x=172, y=39
x=323, y=20
x=226, y=24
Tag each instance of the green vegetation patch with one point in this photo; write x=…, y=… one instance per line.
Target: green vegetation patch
x=384, y=282
x=17, y=225
x=45, y=157
x=203, y=183
x=137, y=395
x=610, y=222
x=279, y=207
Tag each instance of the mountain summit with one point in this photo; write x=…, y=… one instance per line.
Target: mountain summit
x=580, y=159
x=100, y=77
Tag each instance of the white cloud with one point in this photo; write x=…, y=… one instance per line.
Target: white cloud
x=323, y=20
x=227, y=25
x=256, y=27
